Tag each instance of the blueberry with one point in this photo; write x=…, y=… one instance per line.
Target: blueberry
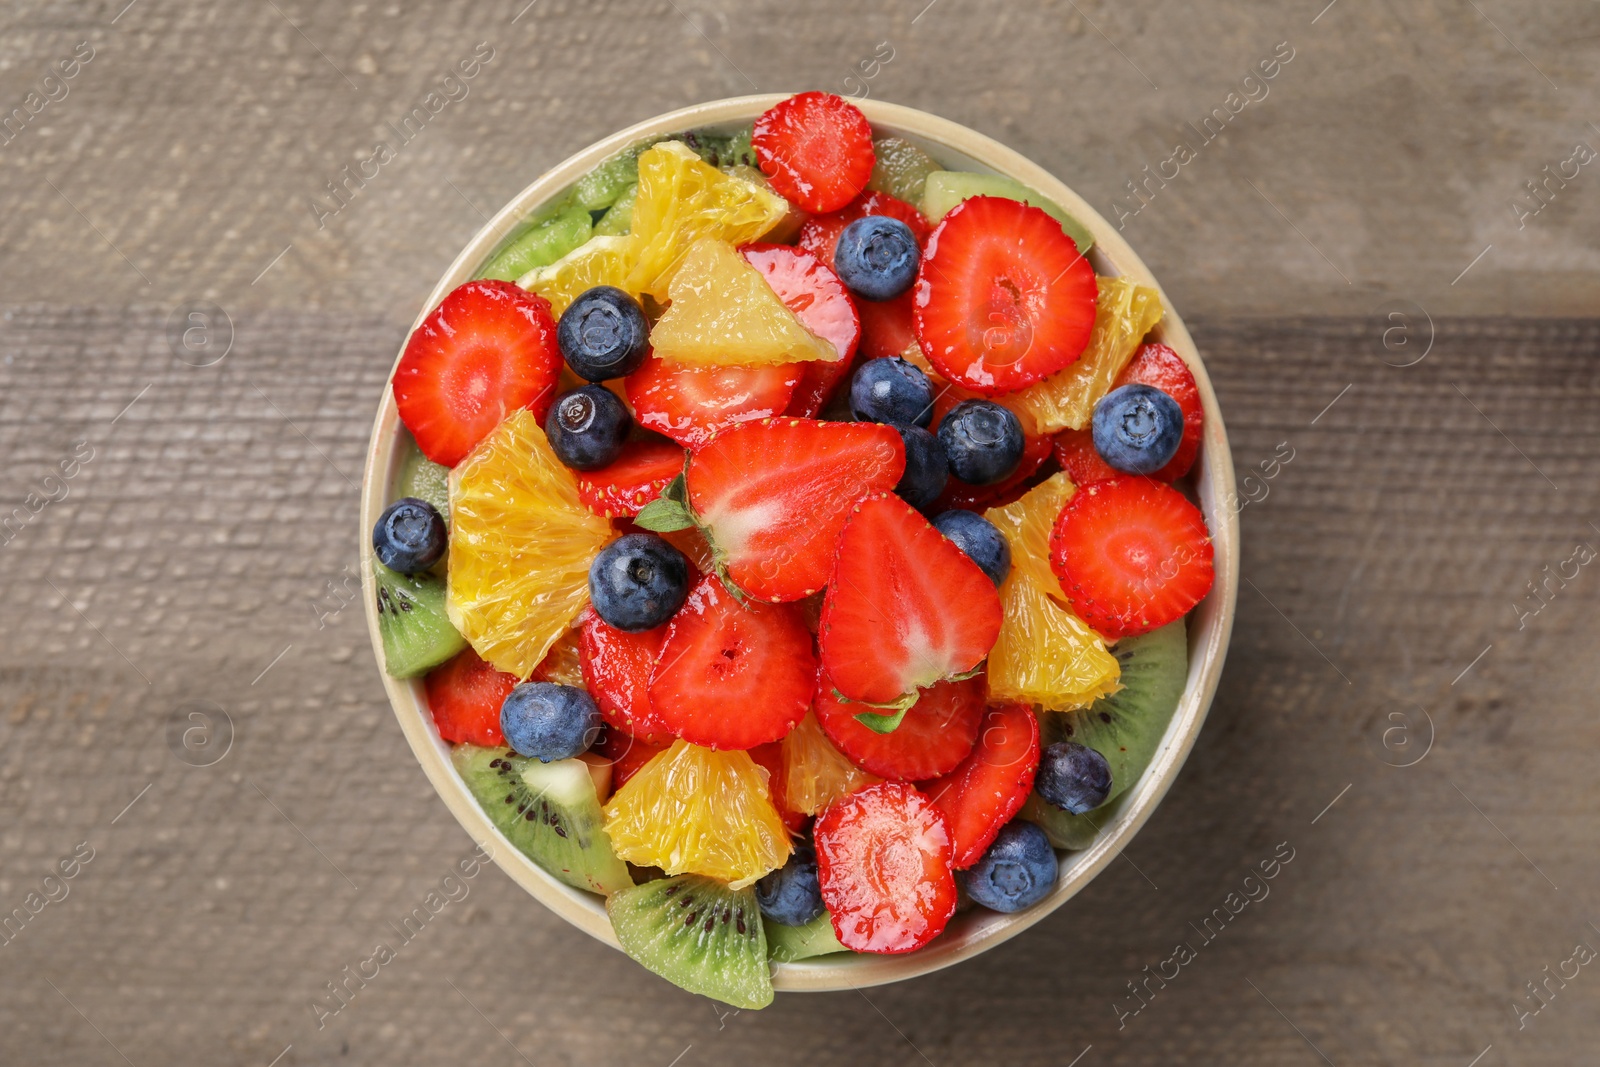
x=603, y=334
x=978, y=538
x=1137, y=429
x=791, y=895
x=982, y=440
x=548, y=722
x=588, y=427
x=410, y=536
x=1073, y=777
x=893, y=391
x=1017, y=871
x=877, y=257
x=926, y=470
x=638, y=582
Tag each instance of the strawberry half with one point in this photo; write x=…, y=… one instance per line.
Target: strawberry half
x=733, y=675
x=770, y=756
x=820, y=233
x=692, y=404
x=632, y=480
x=616, y=670
x=936, y=734
x=487, y=350
x=883, y=863
x=1003, y=296
x=905, y=608
x=774, y=495
x=815, y=149
x=1076, y=453
x=810, y=289
x=991, y=785
x=465, y=694
x=888, y=327
x=1158, y=366
x=1132, y=554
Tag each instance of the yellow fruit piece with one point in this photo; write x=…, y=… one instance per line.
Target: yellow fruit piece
x=1026, y=524
x=1124, y=313
x=814, y=772
x=699, y=811
x=520, y=546
x=562, y=664
x=1045, y=654
x=683, y=199
x=723, y=312
x=598, y=261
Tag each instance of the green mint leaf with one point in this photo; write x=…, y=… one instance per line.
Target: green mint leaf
x=663, y=516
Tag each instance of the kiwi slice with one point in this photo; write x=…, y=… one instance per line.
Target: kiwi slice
x=549, y=811
x=618, y=219
x=601, y=187
x=1064, y=829
x=697, y=934
x=947, y=188
x=541, y=244
x=424, y=479
x=900, y=168
x=785, y=944
x=417, y=636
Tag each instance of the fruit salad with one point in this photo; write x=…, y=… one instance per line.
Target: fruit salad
x=795, y=547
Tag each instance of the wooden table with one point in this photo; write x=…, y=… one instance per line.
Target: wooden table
x=192, y=725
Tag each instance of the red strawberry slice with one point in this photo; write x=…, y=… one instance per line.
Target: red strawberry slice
x=487, y=350
x=888, y=327
x=905, y=608
x=883, y=862
x=1076, y=453
x=1132, y=554
x=465, y=694
x=632, y=480
x=820, y=233
x=627, y=754
x=775, y=494
x=691, y=404
x=733, y=675
x=820, y=301
x=616, y=670
x=1158, y=366
x=770, y=756
x=991, y=784
x=936, y=734
x=959, y=494
x=815, y=149
x=1003, y=296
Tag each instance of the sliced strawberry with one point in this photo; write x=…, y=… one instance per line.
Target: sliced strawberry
x=1159, y=366
x=815, y=149
x=936, y=734
x=616, y=670
x=627, y=755
x=770, y=756
x=991, y=784
x=959, y=494
x=888, y=327
x=811, y=290
x=487, y=350
x=905, y=607
x=733, y=675
x=465, y=694
x=1003, y=296
x=883, y=863
x=774, y=495
x=1132, y=554
x=820, y=233
x=1076, y=453
x=632, y=480
x=691, y=404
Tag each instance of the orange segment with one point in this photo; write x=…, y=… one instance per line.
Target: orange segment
x=598, y=261
x=1026, y=524
x=815, y=772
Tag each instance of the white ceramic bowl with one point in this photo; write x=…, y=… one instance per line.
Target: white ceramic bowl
x=957, y=148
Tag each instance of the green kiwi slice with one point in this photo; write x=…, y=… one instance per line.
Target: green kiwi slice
x=549, y=811
x=541, y=244
x=786, y=944
x=422, y=478
x=697, y=934
x=1064, y=829
x=945, y=189
x=417, y=636
x=900, y=168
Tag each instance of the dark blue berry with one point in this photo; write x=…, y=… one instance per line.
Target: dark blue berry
x=410, y=536
x=791, y=895
x=638, y=582
x=588, y=427
x=603, y=334
x=1137, y=429
x=1017, y=871
x=926, y=470
x=1073, y=777
x=548, y=722
x=893, y=391
x=978, y=538
x=982, y=441
x=877, y=257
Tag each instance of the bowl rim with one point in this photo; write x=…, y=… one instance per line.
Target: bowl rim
x=1209, y=624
